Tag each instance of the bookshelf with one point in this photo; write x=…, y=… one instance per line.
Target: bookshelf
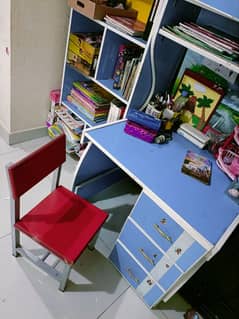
x=103, y=75
x=201, y=13
x=166, y=193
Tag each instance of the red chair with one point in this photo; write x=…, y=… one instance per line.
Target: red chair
x=63, y=222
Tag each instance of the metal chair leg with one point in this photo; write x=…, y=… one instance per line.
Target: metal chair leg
x=64, y=277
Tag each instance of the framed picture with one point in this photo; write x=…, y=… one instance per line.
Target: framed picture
x=199, y=96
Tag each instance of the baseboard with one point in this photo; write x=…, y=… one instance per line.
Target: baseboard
x=22, y=136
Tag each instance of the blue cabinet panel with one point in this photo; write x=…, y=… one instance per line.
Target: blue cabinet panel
x=143, y=250
x=156, y=222
x=153, y=295
x=127, y=266
x=230, y=7
x=192, y=254
x=169, y=278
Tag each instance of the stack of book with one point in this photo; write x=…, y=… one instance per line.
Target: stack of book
x=91, y=100
x=192, y=134
x=207, y=37
x=116, y=112
x=83, y=51
x=126, y=68
x=127, y=25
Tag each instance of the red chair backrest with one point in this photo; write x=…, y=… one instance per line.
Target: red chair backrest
x=33, y=168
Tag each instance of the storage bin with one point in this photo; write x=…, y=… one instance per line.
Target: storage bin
x=97, y=10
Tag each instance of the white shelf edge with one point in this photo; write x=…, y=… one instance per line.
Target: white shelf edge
x=123, y=35
x=228, y=64
x=212, y=9
x=79, y=115
x=109, y=90
x=98, y=82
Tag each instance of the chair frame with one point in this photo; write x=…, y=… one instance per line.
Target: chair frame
x=17, y=249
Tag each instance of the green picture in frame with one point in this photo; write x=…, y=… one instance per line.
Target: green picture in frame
x=201, y=97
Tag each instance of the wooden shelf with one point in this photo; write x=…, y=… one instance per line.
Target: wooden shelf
x=228, y=64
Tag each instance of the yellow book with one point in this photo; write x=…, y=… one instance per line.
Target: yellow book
x=143, y=7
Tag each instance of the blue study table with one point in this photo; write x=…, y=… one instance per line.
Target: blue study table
x=190, y=220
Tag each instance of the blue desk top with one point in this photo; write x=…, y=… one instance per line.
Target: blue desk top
x=205, y=207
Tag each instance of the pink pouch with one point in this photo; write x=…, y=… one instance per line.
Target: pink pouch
x=139, y=131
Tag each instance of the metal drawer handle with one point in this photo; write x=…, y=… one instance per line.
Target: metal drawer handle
x=162, y=233
x=132, y=276
x=150, y=260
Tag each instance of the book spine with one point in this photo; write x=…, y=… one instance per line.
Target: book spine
x=150, y=19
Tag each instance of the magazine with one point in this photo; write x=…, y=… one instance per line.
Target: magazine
x=128, y=25
x=197, y=166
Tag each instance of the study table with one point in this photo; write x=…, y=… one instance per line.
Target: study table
x=177, y=222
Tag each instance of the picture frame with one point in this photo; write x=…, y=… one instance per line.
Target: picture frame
x=201, y=96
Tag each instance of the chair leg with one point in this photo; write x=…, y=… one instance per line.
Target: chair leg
x=15, y=241
x=64, y=277
x=15, y=211
x=91, y=245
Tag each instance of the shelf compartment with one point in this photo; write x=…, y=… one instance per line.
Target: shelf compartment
x=228, y=64
x=228, y=11
x=74, y=109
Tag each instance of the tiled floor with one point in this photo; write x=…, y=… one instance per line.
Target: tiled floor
x=95, y=290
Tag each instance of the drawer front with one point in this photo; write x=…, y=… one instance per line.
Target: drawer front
x=169, y=277
x=127, y=266
x=185, y=251
x=153, y=296
x=162, y=228
x=191, y=255
x=144, y=251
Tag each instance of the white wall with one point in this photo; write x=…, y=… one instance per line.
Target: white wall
x=5, y=64
x=38, y=35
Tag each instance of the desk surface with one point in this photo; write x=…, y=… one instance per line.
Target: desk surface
x=158, y=168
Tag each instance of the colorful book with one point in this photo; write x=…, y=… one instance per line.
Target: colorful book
x=130, y=26
x=197, y=166
x=116, y=112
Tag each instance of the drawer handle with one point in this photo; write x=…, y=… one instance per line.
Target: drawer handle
x=162, y=233
x=132, y=276
x=150, y=260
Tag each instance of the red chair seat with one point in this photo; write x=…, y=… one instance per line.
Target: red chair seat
x=63, y=223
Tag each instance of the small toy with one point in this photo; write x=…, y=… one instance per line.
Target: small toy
x=228, y=155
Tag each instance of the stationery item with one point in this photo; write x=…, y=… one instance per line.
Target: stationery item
x=197, y=166
x=140, y=132
x=143, y=119
x=233, y=191
x=193, y=135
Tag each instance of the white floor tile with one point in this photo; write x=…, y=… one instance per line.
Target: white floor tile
x=31, y=294
x=96, y=289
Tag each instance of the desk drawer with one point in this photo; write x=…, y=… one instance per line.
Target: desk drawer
x=127, y=266
x=160, y=227
x=161, y=267
x=144, y=285
x=144, y=251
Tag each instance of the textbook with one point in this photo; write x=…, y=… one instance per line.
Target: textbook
x=197, y=166
x=130, y=26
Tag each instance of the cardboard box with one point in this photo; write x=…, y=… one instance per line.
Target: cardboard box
x=97, y=10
